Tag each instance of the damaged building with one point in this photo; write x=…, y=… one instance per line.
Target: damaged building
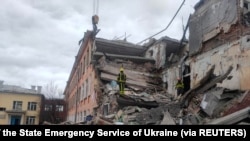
x=213, y=64
x=217, y=62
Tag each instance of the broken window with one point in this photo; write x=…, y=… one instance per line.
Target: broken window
x=151, y=53
x=246, y=12
x=186, y=77
x=106, y=109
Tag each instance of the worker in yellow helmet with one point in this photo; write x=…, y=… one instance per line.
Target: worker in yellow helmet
x=180, y=88
x=121, y=79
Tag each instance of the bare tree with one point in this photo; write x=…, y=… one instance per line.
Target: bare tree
x=51, y=91
x=53, y=100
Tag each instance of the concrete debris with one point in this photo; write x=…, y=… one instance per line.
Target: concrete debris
x=210, y=81
x=101, y=121
x=213, y=65
x=62, y=123
x=167, y=119
x=139, y=76
x=154, y=107
x=127, y=100
x=216, y=98
x=233, y=118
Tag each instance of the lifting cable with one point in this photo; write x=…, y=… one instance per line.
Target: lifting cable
x=95, y=7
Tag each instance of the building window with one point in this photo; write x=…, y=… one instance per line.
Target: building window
x=106, y=109
x=84, y=64
x=84, y=115
x=2, y=109
x=30, y=120
x=58, y=119
x=80, y=116
x=32, y=106
x=151, y=53
x=89, y=112
x=48, y=108
x=81, y=69
x=90, y=55
x=17, y=105
x=87, y=58
x=59, y=108
x=87, y=86
x=82, y=92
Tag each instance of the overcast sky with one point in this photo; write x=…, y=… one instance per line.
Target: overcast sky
x=39, y=38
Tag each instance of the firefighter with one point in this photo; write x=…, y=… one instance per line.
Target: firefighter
x=180, y=88
x=121, y=79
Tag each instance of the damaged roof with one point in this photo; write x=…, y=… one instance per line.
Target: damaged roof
x=173, y=45
x=118, y=47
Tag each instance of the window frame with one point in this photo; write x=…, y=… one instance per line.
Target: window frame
x=30, y=120
x=32, y=106
x=17, y=105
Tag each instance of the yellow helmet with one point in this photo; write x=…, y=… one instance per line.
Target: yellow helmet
x=121, y=69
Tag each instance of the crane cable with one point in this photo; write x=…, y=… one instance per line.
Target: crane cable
x=167, y=25
x=95, y=7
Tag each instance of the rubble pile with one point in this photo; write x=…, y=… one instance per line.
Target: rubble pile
x=140, y=76
x=204, y=104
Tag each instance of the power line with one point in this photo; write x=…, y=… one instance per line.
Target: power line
x=167, y=25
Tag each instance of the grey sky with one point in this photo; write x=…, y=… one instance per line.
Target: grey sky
x=39, y=38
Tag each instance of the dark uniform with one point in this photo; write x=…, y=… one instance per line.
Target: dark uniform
x=121, y=79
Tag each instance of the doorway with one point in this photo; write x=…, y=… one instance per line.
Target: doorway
x=15, y=120
x=186, y=78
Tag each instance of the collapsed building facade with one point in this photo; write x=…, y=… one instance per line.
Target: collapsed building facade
x=213, y=64
x=217, y=65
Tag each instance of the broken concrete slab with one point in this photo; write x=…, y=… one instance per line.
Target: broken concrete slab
x=202, y=88
x=102, y=121
x=167, y=119
x=124, y=100
x=129, y=110
x=135, y=59
x=233, y=118
x=215, y=98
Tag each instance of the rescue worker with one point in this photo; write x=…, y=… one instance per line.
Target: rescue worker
x=180, y=88
x=121, y=79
